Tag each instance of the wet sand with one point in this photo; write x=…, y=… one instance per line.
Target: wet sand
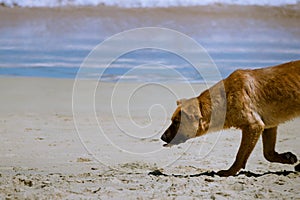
x=197, y=22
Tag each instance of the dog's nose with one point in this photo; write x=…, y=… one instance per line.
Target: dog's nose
x=163, y=137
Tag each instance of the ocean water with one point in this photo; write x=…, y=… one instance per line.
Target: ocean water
x=54, y=42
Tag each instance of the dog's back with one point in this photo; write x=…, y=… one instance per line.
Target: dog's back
x=272, y=92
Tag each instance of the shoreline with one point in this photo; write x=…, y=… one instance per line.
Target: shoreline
x=234, y=36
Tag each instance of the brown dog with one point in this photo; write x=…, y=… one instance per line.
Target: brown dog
x=255, y=101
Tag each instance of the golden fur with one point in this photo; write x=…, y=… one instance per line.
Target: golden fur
x=255, y=101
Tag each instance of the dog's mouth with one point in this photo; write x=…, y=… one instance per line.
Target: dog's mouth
x=167, y=145
x=178, y=139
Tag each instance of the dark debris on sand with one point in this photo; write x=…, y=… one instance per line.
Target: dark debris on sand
x=212, y=173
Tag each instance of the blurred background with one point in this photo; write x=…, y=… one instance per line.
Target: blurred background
x=51, y=38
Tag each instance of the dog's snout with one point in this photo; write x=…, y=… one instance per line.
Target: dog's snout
x=164, y=138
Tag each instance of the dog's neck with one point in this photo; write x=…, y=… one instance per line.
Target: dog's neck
x=213, y=107
x=205, y=105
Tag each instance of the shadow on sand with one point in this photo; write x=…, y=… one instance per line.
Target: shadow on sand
x=212, y=174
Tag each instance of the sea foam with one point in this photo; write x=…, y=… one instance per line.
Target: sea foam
x=141, y=3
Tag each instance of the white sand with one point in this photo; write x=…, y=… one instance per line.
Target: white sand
x=43, y=157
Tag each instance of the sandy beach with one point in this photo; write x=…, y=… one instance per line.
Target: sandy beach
x=43, y=157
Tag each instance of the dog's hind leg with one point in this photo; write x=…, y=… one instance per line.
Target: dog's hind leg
x=269, y=140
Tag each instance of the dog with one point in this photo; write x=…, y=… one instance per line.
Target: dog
x=255, y=101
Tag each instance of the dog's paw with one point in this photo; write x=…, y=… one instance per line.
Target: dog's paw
x=226, y=173
x=288, y=158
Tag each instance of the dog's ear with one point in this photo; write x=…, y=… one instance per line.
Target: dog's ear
x=180, y=101
x=191, y=109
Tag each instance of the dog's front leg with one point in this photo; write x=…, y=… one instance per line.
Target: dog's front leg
x=250, y=137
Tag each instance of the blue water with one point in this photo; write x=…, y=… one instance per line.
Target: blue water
x=55, y=47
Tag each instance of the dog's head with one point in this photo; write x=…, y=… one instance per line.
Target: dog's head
x=186, y=122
